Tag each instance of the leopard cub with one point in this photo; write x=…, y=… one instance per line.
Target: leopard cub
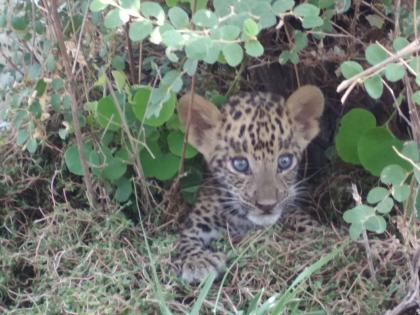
x=252, y=147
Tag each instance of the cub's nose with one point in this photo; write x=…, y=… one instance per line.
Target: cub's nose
x=266, y=206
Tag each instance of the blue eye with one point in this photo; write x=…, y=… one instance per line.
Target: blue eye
x=285, y=161
x=240, y=164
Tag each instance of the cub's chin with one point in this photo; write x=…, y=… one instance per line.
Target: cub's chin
x=265, y=219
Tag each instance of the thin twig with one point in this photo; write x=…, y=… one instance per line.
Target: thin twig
x=130, y=54
x=407, y=50
x=71, y=83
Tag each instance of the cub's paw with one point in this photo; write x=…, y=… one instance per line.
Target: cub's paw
x=196, y=267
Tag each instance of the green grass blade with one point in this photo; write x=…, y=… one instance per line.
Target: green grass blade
x=203, y=294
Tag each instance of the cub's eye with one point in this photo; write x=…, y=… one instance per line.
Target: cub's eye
x=285, y=161
x=240, y=164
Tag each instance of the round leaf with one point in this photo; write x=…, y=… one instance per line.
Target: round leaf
x=139, y=30
x=254, y=48
x=375, y=150
x=140, y=102
x=411, y=151
x=153, y=9
x=375, y=54
x=124, y=190
x=401, y=193
x=204, y=18
x=114, y=169
x=377, y=194
x=306, y=9
x=312, y=21
x=163, y=167
x=374, y=86
x=233, y=54
x=198, y=48
x=376, y=224
x=115, y=18
x=281, y=6
x=107, y=114
x=399, y=43
x=393, y=174
x=394, y=72
x=350, y=69
x=72, y=159
x=175, y=143
x=173, y=39
x=250, y=28
x=385, y=206
x=353, y=125
x=178, y=17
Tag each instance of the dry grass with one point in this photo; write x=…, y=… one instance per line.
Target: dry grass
x=67, y=260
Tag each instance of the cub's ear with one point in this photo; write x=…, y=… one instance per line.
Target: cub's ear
x=305, y=106
x=204, y=122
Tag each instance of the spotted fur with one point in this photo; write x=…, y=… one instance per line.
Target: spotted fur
x=260, y=128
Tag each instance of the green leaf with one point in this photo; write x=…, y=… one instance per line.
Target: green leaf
x=107, y=114
x=175, y=142
x=399, y=43
x=358, y=214
x=204, y=18
x=140, y=102
x=164, y=113
x=377, y=194
x=352, y=126
x=124, y=189
x=233, y=54
x=19, y=23
x=198, y=48
x=254, y=48
x=31, y=145
x=190, y=66
x=250, y=28
x=288, y=55
x=401, y=193
x=385, y=206
x=178, y=17
x=22, y=136
x=312, y=21
x=301, y=40
x=375, y=54
x=350, y=69
x=416, y=97
x=120, y=79
x=153, y=9
x=375, y=150
x=376, y=224
x=411, y=151
x=98, y=5
x=306, y=10
x=116, y=18
x=172, y=80
x=114, y=169
x=393, y=174
x=375, y=20
x=130, y=4
x=417, y=204
x=394, y=72
x=173, y=39
x=355, y=231
x=72, y=158
x=281, y=6
x=374, y=86
x=139, y=30
x=226, y=32
x=163, y=167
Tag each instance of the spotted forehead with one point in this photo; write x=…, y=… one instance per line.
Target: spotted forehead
x=256, y=123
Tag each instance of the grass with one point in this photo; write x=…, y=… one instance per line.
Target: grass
x=58, y=257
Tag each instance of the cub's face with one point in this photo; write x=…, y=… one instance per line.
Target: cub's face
x=254, y=144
